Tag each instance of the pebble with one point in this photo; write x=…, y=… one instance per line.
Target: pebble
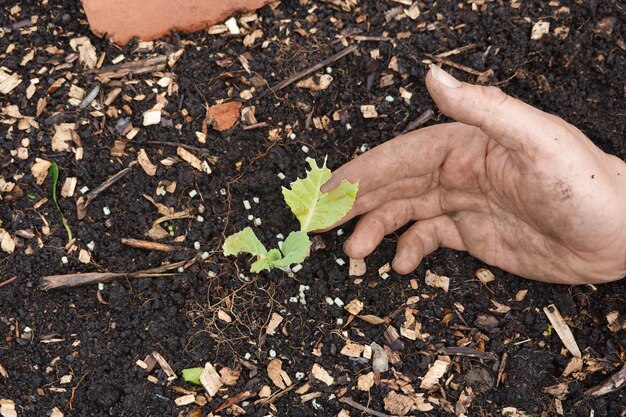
x=84, y=190
x=196, y=245
x=389, y=99
x=280, y=236
x=305, y=149
x=329, y=70
x=329, y=300
x=272, y=353
x=193, y=193
x=200, y=219
x=300, y=375
x=247, y=356
x=339, y=232
x=91, y=245
x=338, y=301
x=339, y=321
x=250, y=217
x=246, y=204
x=222, y=191
x=281, y=175
x=106, y=210
x=348, y=126
x=255, y=199
x=64, y=259
x=296, y=268
x=340, y=262
x=385, y=276
x=292, y=136
x=293, y=299
x=205, y=256
x=101, y=286
x=181, y=269
x=257, y=221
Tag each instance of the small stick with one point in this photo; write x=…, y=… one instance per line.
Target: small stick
x=455, y=65
x=351, y=402
x=244, y=395
x=421, y=119
x=148, y=245
x=314, y=68
x=141, y=66
x=502, y=367
x=182, y=145
x=83, y=201
x=74, y=280
x=467, y=351
x=8, y=281
x=456, y=51
x=255, y=126
x=362, y=38
x=615, y=382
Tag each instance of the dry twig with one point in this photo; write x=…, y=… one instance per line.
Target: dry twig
x=615, y=382
x=84, y=201
x=142, y=66
x=149, y=245
x=351, y=402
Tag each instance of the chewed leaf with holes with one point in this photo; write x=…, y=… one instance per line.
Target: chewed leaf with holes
x=314, y=209
x=295, y=250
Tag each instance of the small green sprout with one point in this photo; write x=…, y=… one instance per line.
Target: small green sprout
x=54, y=172
x=314, y=209
x=192, y=375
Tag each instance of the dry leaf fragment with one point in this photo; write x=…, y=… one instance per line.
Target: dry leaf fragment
x=151, y=117
x=357, y=267
x=322, y=375
x=274, y=372
x=413, y=12
x=147, y=165
x=380, y=360
x=437, y=281
x=7, y=243
x=500, y=308
x=398, y=404
x=230, y=376
x=574, y=365
x=316, y=83
x=86, y=51
x=275, y=321
x=365, y=382
x=559, y=391
x=562, y=329
x=485, y=275
x=223, y=116
x=369, y=111
x=68, y=187
x=372, y=319
x=265, y=391
x=436, y=371
x=210, y=379
x=40, y=170
x=615, y=322
x=354, y=307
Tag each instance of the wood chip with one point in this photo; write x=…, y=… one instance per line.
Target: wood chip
x=485, y=276
x=193, y=160
x=62, y=137
x=171, y=375
x=398, y=404
x=574, y=365
x=316, y=83
x=437, y=281
x=40, y=170
x=84, y=256
x=147, y=165
x=69, y=185
x=354, y=307
x=365, y=382
x=224, y=316
x=274, y=372
x=274, y=322
x=352, y=349
x=562, y=329
x=321, y=374
x=3, y=372
x=7, y=408
x=357, y=268
x=500, y=308
x=151, y=117
x=369, y=111
x=185, y=400
x=56, y=412
x=8, y=82
x=7, y=243
x=435, y=372
x=210, y=379
x=521, y=294
x=539, y=29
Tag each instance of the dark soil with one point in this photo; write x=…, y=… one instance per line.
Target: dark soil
x=581, y=78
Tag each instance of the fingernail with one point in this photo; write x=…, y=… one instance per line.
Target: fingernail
x=443, y=77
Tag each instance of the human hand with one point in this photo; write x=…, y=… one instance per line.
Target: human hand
x=516, y=187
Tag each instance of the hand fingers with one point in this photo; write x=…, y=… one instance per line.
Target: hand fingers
x=513, y=123
x=423, y=238
x=411, y=155
x=403, y=189
x=375, y=225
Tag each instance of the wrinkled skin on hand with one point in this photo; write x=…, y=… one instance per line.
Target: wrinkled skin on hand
x=516, y=187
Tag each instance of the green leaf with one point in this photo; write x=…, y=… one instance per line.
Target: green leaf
x=54, y=173
x=295, y=250
x=192, y=375
x=247, y=242
x=314, y=209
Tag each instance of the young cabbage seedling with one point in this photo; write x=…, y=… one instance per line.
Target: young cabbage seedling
x=54, y=172
x=314, y=209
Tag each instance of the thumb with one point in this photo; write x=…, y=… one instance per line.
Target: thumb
x=511, y=122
